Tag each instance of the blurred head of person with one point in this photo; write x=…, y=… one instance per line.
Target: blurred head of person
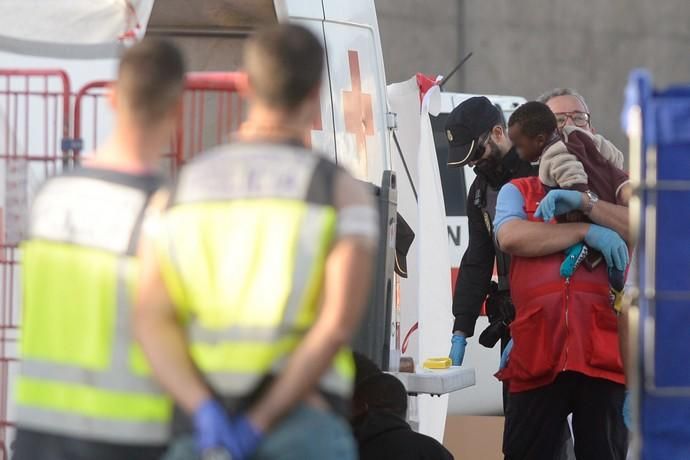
x=380, y=392
x=283, y=66
x=364, y=367
x=531, y=128
x=149, y=86
x=569, y=107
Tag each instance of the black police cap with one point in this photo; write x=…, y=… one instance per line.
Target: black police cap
x=467, y=122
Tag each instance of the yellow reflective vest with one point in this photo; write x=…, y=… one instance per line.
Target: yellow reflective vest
x=242, y=250
x=81, y=374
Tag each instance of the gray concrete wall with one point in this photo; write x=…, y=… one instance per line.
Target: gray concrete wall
x=526, y=47
x=419, y=36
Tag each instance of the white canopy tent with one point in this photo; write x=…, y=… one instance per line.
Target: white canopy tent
x=97, y=29
x=77, y=29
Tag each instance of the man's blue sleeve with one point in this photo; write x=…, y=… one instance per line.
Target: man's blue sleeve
x=510, y=205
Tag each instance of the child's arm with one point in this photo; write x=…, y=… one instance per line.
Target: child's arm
x=605, y=147
x=609, y=151
x=615, y=157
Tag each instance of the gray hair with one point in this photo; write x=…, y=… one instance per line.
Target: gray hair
x=547, y=96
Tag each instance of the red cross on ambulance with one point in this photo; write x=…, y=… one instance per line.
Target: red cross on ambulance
x=359, y=119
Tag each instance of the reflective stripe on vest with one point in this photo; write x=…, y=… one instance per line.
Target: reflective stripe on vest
x=244, y=262
x=337, y=380
x=81, y=374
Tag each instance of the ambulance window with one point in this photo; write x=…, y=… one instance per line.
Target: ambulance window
x=452, y=179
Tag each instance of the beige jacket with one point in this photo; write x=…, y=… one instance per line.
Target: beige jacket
x=560, y=168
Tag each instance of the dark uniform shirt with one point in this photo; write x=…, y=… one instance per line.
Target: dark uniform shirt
x=476, y=267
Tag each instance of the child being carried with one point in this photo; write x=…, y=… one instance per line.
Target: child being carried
x=573, y=159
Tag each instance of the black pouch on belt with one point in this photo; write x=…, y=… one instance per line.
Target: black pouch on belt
x=501, y=312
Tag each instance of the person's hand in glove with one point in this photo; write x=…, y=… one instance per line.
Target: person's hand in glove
x=215, y=430
x=610, y=244
x=505, y=356
x=247, y=437
x=616, y=287
x=558, y=202
x=457, y=348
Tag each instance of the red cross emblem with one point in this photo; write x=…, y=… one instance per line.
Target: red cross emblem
x=359, y=118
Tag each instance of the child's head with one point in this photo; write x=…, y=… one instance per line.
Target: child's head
x=530, y=128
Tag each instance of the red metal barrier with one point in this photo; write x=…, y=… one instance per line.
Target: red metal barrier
x=94, y=93
x=212, y=109
x=34, y=124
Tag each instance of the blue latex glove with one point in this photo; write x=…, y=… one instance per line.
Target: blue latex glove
x=247, y=438
x=574, y=256
x=215, y=431
x=505, y=356
x=627, y=415
x=457, y=349
x=558, y=202
x=610, y=244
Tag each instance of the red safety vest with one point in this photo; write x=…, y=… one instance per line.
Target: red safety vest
x=559, y=325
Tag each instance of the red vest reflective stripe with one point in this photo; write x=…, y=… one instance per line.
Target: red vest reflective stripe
x=559, y=325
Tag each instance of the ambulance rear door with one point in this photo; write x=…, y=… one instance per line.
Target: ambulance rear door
x=310, y=15
x=358, y=88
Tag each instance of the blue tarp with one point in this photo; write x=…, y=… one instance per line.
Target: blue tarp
x=665, y=374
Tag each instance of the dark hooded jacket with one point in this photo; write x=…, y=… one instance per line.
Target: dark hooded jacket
x=382, y=435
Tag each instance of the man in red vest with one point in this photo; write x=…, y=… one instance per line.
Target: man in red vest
x=565, y=357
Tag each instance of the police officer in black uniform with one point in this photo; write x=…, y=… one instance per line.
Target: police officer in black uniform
x=477, y=137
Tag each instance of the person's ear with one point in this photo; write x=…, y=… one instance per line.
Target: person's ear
x=315, y=92
x=497, y=133
x=244, y=87
x=312, y=109
x=111, y=95
x=177, y=110
x=313, y=101
x=541, y=140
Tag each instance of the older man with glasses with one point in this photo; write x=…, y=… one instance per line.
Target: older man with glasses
x=572, y=114
x=569, y=107
x=571, y=110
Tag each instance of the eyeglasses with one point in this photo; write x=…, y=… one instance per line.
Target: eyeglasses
x=580, y=119
x=480, y=148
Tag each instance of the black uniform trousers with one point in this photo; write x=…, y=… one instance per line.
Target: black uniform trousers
x=534, y=420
